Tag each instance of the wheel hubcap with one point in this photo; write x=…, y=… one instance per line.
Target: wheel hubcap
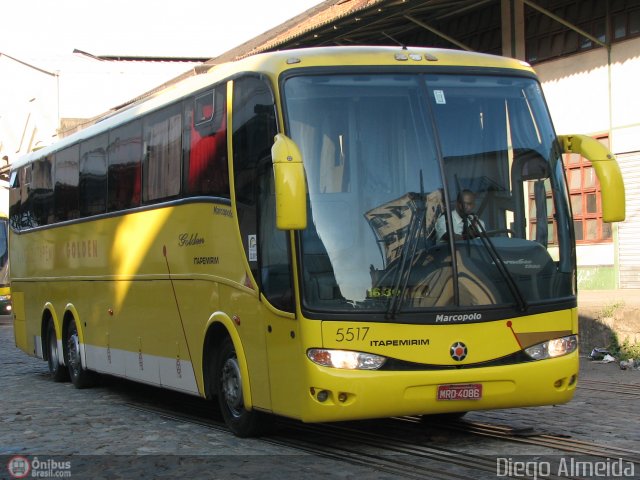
x=73, y=347
x=232, y=386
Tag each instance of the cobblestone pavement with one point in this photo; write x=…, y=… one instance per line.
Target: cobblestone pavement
x=109, y=439
x=601, y=411
x=105, y=437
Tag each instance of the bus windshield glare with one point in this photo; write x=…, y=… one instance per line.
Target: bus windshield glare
x=390, y=161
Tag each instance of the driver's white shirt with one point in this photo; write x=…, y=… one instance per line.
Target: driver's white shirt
x=458, y=224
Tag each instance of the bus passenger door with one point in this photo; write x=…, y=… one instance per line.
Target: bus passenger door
x=282, y=329
x=274, y=355
x=267, y=250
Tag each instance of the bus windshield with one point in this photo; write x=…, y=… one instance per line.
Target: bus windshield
x=389, y=159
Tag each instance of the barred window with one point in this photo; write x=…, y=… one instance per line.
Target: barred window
x=586, y=201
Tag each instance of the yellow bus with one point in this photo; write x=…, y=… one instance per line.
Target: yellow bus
x=266, y=234
x=5, y=286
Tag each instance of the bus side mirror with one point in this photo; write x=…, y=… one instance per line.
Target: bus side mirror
x=607, y=170
x=290, y=186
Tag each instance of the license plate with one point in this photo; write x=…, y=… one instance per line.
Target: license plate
x=468, y=391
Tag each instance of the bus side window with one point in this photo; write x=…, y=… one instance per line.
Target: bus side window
x=205, y=134
x=161, y=169
x=15, y=201
x=66, y=184
x=93, y=176
x=40, y=191
x=124, y=155
x=254, y=127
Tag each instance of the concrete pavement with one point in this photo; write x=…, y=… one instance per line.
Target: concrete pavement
x=630, y=297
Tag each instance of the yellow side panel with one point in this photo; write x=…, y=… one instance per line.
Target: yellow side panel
x=19, y=323
x=250, y=320
x=286, y=364
x=143, y=287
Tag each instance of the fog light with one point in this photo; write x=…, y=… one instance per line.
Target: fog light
x=322, y=395
x=573, y=379
x=342, y=397
x=558, y=383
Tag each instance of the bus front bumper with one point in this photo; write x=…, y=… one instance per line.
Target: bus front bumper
x=336, y=395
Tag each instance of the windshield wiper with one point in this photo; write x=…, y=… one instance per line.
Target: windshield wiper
x=499, y=263
x=405, y=262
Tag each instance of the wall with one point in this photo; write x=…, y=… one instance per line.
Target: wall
x=33, y=100
x=36, y=94
x=589, y=94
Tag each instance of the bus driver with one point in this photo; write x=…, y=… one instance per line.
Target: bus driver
x=465, y=205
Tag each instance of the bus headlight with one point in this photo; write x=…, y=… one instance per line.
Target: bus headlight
x=553, y=348
x=345, y=359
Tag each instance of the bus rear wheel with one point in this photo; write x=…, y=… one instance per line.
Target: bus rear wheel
x=242, y=422
x=80, y=377
x=57, y=371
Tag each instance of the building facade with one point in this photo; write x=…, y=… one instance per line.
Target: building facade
x=587, y=55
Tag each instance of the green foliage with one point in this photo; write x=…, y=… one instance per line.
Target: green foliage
x=624, y=350
x=610, y=309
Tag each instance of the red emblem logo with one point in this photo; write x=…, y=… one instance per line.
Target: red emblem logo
x=458, y=351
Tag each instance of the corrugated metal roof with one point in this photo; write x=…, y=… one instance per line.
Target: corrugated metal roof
x=326, y=13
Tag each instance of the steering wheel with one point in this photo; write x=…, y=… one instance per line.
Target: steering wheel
x=495, y=233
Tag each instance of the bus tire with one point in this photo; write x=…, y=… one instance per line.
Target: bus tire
x=57, y=371
x=242, y=422
x=80, y=377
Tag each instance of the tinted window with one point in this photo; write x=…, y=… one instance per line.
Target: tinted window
x=40, y=191
x=15, y=202
x=93, y=176
x=125, y=154
x=254, y=126
x=66, y=184
x=206, y=144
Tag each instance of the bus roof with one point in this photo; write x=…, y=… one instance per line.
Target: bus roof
x=274, y=63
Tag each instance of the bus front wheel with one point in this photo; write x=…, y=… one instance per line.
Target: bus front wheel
x=57, y=371
x=80, y=377
x=242, y=422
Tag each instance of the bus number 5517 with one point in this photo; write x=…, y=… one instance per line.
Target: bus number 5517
x=351, y=334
